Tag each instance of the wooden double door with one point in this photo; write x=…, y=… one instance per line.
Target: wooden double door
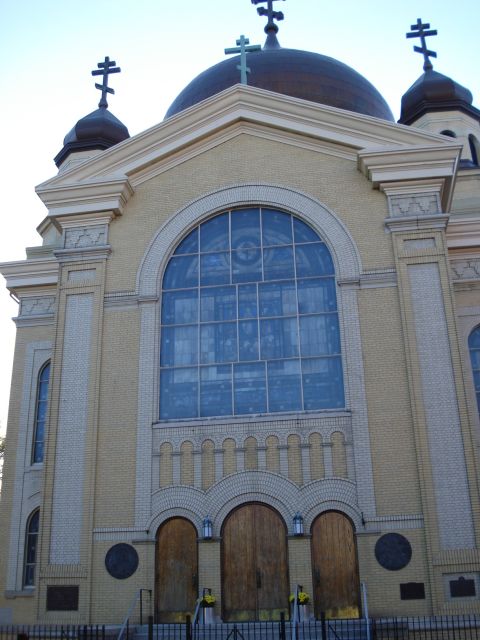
x=254, y=564
x=335, y=567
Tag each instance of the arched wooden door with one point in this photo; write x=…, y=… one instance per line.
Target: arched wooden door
x=335, y=567
x=176, y=570
x=254, y=564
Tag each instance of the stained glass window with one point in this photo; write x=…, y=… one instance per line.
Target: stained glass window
x=474, y=346
x=249, y=319
x=31, y=539
x=41, y=414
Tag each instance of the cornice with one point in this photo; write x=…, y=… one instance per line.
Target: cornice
x=412, y=165
x=252, y=105
x=463, y=231
x=83, y=254
x=91, y=196
x=417, y=223
x=467, y=174
x=30, y=273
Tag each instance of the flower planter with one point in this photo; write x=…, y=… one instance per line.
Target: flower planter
x=207, y=615
x=303, y=612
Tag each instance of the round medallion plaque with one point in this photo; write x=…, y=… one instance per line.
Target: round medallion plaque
x=393, y=551
x=121, y=561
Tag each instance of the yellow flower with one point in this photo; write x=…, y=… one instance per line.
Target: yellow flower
x=303, y=597
x=208, y=600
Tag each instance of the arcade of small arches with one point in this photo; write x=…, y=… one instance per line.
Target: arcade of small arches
x=301, y=461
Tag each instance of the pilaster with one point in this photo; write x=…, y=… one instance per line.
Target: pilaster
x=70, y=461
x=443, y=438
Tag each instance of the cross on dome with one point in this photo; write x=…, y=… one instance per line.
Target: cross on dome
x=422, y=31
x=271, y=28
x=104, y=69
x=242, y=49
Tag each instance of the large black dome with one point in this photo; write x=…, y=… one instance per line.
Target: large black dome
x=296, y=73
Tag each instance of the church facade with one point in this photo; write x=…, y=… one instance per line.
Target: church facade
x=248, y=358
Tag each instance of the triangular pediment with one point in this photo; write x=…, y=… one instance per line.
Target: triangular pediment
x=239, y=109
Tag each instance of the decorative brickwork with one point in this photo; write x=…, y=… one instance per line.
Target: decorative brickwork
x=415, y=204
x=441, y=409
x=91, y=236
x=466, y=269
x=44, y=305
x=72, y=426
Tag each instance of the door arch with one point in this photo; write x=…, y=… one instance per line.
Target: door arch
x=254, y=564
x=176, y=570
x=335, y=566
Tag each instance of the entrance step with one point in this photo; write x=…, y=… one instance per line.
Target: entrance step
x=310, y=630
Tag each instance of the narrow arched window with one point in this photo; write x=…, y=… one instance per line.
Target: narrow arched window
x=474, y=346
x=474, y=148
x=31, y=543
x=249, y=319
x=41, y=413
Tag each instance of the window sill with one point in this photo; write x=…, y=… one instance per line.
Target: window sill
x=270, y=417
x=24, y=593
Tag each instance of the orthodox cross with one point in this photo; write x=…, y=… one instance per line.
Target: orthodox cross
x=418, y=31
x=242, y=50
x=270, y=13
x=104, y=69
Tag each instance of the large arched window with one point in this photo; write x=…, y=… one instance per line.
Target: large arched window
x=41, y=413
x=31, y=543
x=249, y=319
x=474, y=346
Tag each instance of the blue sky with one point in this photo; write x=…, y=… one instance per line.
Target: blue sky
x=49, y=47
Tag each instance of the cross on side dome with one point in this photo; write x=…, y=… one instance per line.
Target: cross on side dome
x=104, y=69
x=422, y=31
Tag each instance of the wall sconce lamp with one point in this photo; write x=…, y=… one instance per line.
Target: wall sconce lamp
x=297, y=525
x=207, y=527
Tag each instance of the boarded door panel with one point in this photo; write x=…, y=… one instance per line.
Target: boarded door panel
x=254, y=564
x=334, y=567
x=176, y=570
x=238, y=562
x=271, y=561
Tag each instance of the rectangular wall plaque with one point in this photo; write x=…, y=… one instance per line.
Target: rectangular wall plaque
x=62, y=598
x=462, y=588
x=412, y=591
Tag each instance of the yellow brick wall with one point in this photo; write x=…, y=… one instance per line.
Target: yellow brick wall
x=390, y=422
x=229, y=457
x=336, y=182
x=111, y=598
x=317, y=469
x=209, y=575
x=186, y=464
x=116, y=450
x=383, y=585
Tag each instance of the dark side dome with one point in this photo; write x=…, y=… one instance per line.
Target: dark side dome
x=97, y=130
x=292, y=72
x=434, y=91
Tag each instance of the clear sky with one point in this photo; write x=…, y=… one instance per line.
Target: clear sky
x=49, y=47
